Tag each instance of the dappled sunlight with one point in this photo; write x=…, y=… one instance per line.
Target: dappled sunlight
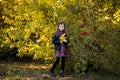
x=26, y=65
x=24, y=70
x=36, y=66
x=29, y=71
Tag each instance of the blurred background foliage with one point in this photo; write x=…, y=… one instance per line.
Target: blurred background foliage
x=93, y=26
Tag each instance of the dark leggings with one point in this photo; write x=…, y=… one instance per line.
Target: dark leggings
x=57, y=62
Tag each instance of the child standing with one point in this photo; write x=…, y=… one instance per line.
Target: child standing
x=60, y=41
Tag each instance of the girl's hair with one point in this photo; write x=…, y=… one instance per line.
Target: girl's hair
x=58, y=32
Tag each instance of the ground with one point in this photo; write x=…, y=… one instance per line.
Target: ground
x=40, y=71
x=27, y=71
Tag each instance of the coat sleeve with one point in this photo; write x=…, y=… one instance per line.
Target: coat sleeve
x=55, y=40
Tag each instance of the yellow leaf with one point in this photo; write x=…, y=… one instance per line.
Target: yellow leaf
x=62, y=37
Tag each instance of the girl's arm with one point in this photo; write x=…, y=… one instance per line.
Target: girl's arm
x=67, y=38
x=55, y=40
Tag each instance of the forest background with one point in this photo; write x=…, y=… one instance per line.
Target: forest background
x=93, y=26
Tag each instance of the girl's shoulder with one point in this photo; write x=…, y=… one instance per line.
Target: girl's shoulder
x=54, y=34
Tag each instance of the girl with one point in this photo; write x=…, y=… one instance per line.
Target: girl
x=60, y=41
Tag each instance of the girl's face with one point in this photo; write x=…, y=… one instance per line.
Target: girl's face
x=61, y=27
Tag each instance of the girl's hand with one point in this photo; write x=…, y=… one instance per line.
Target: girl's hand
x=61, y=41
x=65, y=40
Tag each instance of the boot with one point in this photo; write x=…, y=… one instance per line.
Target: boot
x=52, y=74
x=62, y=74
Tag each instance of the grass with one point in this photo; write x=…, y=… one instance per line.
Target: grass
x=27, y=71
x=37, y=71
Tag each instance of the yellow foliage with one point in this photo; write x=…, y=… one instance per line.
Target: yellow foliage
x=117, y=16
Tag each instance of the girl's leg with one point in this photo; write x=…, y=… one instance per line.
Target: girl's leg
x=62, y=66
x=55, y=64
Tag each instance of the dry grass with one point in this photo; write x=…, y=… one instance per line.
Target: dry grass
x=28, y=71
x=35, y=71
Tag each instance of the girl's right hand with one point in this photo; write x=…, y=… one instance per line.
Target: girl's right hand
x=65, y=40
